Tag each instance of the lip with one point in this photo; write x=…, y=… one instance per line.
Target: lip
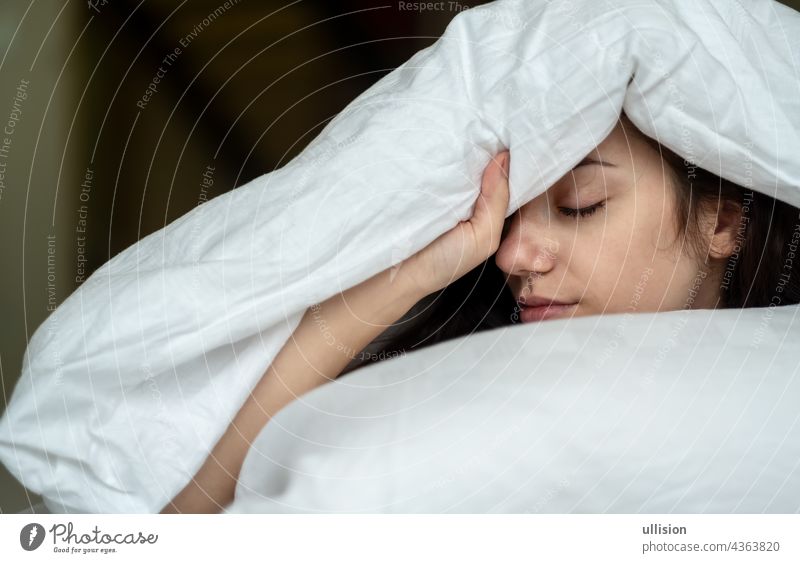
x=540, y=309
x=539, y=301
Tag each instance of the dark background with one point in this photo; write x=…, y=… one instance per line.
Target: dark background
x=245, y=96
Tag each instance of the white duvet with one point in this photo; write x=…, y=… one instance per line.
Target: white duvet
x=677, y=412
x=127, y=386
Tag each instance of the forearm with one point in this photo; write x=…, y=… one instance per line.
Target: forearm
x=327, y=338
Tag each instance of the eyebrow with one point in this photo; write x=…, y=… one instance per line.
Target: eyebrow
x=587, y=161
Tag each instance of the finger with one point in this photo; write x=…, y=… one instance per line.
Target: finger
x=490, y=207
x=492, y=184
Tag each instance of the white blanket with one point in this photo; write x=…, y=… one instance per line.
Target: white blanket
x=131, y=381
x=676, y=412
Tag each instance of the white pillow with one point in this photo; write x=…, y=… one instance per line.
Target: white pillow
x=678, y=412
x=128, y=385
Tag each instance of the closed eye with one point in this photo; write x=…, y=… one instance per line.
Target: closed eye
x=583, y=211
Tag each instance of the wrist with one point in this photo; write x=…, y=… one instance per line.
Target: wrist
x=407, y=288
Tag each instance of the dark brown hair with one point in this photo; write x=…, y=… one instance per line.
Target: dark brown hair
x=759, y=273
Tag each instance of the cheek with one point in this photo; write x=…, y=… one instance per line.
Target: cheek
x=598, y=261
x=650, y=267
x=613, y=259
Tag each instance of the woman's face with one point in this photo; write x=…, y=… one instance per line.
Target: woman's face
x=620, y=253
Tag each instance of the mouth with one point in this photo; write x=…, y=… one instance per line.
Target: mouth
x=541, y=310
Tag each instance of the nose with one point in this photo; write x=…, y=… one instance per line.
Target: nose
x=529, y=247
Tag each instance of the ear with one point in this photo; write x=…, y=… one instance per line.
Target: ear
x=726, y=230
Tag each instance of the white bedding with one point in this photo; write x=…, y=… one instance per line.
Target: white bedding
x=127, y=386
x=678, y=412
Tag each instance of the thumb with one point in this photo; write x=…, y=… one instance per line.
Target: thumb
x=490, y=207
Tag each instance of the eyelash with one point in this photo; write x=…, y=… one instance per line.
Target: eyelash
x=584, y=211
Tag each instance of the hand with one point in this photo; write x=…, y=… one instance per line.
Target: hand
x=469, y=243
